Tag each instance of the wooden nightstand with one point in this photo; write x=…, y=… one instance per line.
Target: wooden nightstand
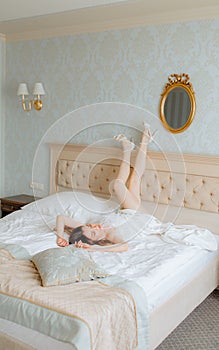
x=13, y=203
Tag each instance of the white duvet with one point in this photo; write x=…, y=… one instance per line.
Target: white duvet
x=156, y=250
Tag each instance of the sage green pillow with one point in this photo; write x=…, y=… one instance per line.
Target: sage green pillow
x=60, y=266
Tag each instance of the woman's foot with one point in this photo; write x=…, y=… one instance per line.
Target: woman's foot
x=126, y=143
x=147, y=132
x=148, y=136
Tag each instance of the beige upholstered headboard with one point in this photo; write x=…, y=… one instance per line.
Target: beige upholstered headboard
x=179, y=188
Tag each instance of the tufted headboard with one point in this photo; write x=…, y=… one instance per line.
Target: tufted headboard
x=180, y=188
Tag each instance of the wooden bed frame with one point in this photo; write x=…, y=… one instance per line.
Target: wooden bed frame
x=181, y=188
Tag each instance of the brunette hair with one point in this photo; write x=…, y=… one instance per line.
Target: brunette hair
x=78, y=235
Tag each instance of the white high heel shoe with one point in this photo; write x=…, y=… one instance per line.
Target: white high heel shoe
x=122, y=138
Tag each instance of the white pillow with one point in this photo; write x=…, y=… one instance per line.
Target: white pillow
x=70, y=203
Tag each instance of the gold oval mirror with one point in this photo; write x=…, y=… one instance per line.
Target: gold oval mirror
x=177, y=104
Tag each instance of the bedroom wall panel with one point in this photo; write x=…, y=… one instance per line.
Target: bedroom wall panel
x=129, y=66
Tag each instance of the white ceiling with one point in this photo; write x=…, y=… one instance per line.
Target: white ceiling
x=13, y=9
x=26, y=19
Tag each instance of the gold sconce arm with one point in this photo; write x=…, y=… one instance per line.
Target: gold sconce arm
x=26, y=108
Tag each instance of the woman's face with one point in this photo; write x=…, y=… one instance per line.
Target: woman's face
x=95, y=232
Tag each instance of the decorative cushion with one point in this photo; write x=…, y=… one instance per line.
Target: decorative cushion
x=60, y=266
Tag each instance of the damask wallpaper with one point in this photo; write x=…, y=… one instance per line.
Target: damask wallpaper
x=113, y=79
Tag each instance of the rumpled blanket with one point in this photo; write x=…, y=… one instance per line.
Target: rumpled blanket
x=90, y=315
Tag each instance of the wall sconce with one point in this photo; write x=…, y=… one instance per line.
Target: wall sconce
x=38, y=91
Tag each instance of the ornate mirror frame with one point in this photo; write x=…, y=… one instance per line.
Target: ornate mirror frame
x=178, y=81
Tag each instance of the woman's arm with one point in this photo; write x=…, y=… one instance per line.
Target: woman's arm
x=121, y=247
x=61, y=222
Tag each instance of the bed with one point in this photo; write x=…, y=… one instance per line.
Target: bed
x=182, y=189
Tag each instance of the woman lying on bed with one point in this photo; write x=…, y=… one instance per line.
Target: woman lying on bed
x=90, y=236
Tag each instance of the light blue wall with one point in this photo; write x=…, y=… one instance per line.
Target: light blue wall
x=2, y=115
x=129, y=66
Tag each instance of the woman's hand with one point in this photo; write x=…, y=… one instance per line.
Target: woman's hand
x=80, y=244
x=62, y=242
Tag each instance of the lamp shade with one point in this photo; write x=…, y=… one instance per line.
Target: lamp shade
x=38, y=89
x=22, y=89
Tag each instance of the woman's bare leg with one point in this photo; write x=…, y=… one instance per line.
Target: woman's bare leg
x=124, y=169
x=125, y=197
x=140, y=163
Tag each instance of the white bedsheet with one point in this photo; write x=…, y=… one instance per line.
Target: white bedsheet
x=151, y=259
x=28, y=229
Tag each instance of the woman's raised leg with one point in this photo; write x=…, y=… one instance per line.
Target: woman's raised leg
x=134, y=186
x=126, y=199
